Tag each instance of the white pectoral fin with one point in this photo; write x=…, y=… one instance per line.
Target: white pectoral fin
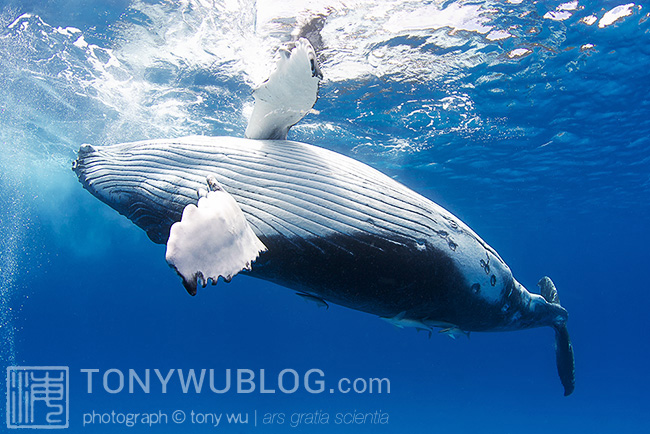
x=288, y=95
x=212, y=239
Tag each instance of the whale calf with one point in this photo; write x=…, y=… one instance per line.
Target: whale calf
x=329, y=227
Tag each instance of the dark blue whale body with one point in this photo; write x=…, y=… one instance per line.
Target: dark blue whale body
x=335, y=229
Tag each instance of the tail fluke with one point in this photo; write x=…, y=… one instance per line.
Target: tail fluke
x=564, y=357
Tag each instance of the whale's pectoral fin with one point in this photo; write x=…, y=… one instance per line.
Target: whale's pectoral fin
x=564, y=357
x=288, y=95
x=212, y=239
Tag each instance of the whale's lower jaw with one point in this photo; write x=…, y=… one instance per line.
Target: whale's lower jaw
x=284, y=188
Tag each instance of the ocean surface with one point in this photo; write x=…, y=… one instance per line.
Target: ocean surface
x=530, y=121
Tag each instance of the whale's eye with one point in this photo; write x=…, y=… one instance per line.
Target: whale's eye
x=476, y=288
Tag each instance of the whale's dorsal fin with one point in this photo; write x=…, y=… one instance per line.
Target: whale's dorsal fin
x=288, y=95
x=212, y=239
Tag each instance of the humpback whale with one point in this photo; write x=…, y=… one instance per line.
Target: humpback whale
x=327, y=226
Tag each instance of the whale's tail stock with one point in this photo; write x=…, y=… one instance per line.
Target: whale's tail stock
x=563, y=348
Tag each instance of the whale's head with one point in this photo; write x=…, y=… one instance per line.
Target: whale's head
x=151, y=203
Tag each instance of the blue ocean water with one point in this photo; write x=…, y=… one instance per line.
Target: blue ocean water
x=530, y=122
